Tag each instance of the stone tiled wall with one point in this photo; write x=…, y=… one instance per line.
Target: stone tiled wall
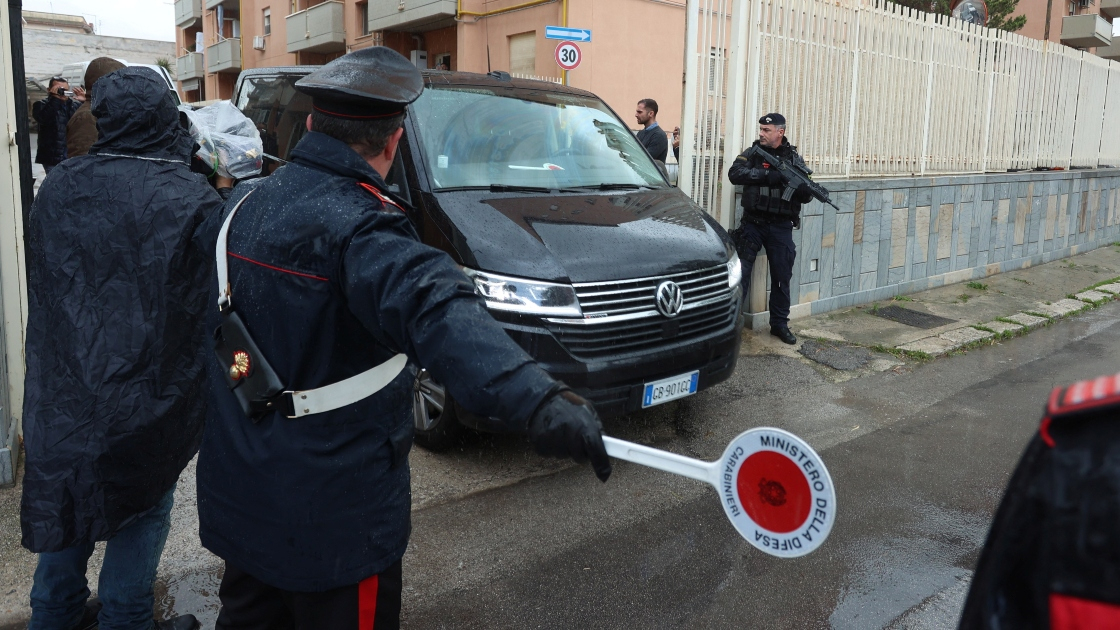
x=897, y=236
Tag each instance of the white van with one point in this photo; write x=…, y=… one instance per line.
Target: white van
x=75, y=75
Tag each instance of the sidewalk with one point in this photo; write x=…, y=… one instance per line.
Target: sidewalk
x=933, y=323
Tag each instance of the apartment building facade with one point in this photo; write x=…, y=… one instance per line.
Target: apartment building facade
x=56, y=22
x=1085, y=24
x=635, y=51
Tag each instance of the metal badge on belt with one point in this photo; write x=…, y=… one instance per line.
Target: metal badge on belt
x=248, y=374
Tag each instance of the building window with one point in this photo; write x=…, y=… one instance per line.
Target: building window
x=268, y=21
x=295, y=7
x=363, y=17
x=523, y=54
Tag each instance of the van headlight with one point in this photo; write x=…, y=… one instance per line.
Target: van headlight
x=518, y=295
x=734, y=271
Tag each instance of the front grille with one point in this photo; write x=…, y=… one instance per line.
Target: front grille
x=621, y=317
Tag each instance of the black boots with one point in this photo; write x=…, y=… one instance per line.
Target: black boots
x=783, y=333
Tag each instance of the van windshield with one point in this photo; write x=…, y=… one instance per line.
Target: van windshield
x=478, y=137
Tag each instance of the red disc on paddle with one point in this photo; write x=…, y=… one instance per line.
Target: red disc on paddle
x=774, y=492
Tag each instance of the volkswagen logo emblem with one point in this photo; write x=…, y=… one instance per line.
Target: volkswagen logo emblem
x=670, y=299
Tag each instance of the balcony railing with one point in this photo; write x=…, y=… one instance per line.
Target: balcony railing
x=229, y=4
x=1110, y=9
x=1110, y=52
x=190, y=66
x=318, y=29
x=225, y=56
x=1086, y=31
x=187, y=12
x=415, y=15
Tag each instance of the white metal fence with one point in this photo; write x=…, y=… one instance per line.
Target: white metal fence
x=535, y=77
x=870, y=88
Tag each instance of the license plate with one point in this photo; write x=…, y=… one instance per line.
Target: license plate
x=670, y=389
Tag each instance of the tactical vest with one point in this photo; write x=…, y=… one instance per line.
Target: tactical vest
x=765, y=202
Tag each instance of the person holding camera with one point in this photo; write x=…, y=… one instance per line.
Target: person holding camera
x=53, y=114
x=768, y=219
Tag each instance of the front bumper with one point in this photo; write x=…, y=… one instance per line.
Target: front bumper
x=615, y=384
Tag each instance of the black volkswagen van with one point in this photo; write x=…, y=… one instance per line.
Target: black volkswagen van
x=616, y=282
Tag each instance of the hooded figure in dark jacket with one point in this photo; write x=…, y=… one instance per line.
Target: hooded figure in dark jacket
x=81, y=131
x=113, y=405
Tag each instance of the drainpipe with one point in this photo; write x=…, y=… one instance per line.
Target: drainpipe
x=1049, y=9
x=241, y=39
x=564, y=23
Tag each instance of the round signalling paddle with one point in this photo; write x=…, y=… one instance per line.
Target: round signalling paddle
x=772, y=485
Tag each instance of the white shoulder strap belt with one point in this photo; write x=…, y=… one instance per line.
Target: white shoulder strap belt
x=329, y=397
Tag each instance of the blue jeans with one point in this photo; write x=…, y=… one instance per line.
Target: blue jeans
x=59, y=593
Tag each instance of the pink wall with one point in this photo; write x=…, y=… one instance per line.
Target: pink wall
x=636, y=50
x=635, y=53
x=275, y=45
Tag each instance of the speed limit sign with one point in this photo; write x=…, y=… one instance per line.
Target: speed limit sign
x=568, y=55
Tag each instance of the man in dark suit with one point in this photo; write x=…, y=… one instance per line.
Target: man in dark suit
x=651, y=136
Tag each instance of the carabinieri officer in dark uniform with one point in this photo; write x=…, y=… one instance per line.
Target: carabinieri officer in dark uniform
x=307, y=501
x=768, y=220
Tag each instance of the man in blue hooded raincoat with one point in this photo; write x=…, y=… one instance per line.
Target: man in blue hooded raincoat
x=113, y=402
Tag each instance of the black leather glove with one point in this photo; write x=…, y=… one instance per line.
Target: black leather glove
x=774, y=178
x=566, y=425
x=803, y=190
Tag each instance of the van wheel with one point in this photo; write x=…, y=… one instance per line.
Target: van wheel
x=433, y=412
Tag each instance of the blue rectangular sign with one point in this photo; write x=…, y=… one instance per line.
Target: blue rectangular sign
x=570, y=34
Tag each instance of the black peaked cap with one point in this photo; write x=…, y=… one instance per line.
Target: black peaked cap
x=772, y=118
x=370, y=83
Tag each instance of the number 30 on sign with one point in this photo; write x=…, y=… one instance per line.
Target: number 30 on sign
x=568, y=55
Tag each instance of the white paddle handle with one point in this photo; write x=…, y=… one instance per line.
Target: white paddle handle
x=662, y=460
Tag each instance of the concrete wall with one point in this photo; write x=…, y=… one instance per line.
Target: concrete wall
x=897, y=236
x=45, y=52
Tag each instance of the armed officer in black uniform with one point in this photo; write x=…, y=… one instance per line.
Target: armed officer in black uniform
x=304, y=492
x=768, y=220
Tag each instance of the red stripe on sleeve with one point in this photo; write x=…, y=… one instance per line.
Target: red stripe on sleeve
x=280, y=269
x=367, y=603
x=1075, y=613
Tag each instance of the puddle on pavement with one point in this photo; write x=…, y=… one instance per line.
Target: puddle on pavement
x=900, y=573
x=194, y=593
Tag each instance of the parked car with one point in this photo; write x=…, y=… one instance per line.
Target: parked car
x=616, y=282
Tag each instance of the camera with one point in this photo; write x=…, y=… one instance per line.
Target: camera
x=60, y=91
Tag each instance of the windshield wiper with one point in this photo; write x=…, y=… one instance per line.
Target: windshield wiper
x=497, y=188
x=511, y=188
x=622, y=186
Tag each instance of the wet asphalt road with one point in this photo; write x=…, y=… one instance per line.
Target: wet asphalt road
x=919, y=457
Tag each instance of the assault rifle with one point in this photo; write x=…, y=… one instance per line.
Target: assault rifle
x=795, y=175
